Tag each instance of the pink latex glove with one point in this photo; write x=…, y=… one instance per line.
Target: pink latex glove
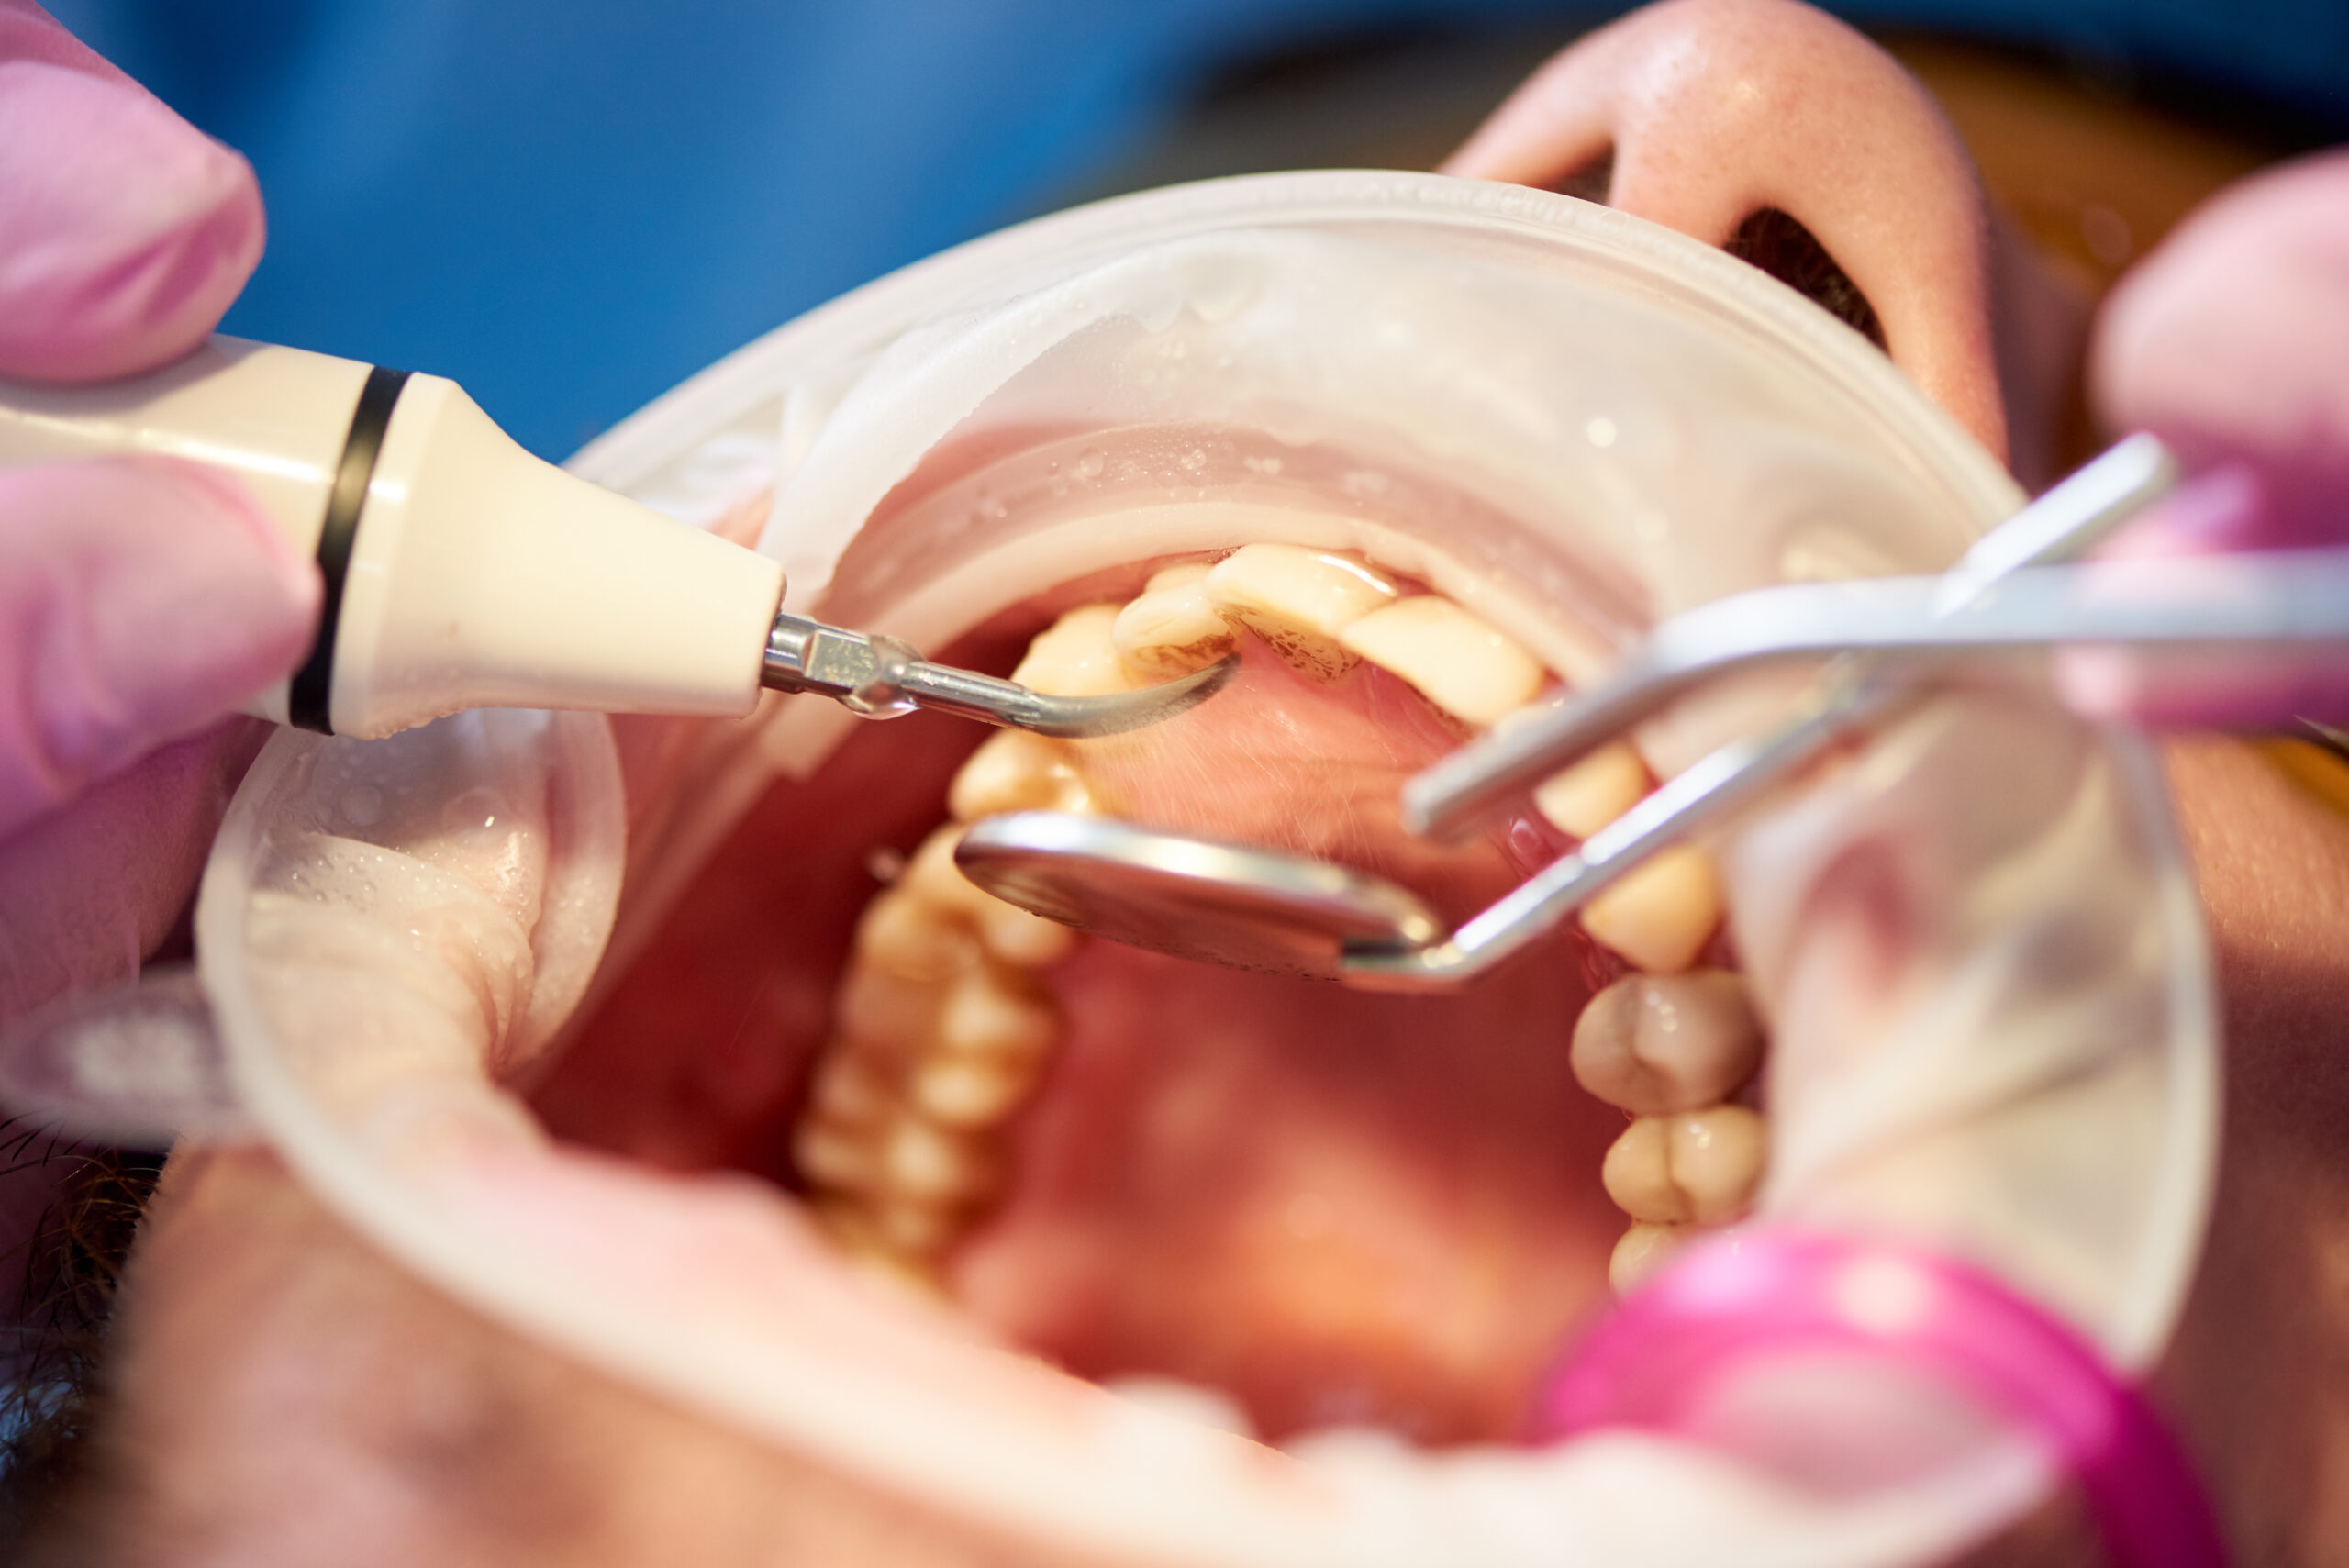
x=2231, y=342
x=142, y=600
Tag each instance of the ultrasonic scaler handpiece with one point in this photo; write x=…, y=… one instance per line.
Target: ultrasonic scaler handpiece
x=880, y=677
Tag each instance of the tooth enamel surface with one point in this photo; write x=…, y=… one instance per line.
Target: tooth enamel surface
x=921, y=1161
x=1014, y=771
x=1637, y=1255
x=1076, y=657
x=851, y=1091
x=1595, y=791
x=1470, y=669
x=835, y=1157
x=914, y=938
x=1660, y=915
x=1638, y=1176
x=1170, y=631
x=971, y=1091
x=886, y=1011
x=986, y=1016
x=1656, y=1043
x=1715, y=1157
x=1298, y=600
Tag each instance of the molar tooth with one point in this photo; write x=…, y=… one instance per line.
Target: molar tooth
x=983, y=1015
x=1006, y=930
x=911, y=1228
x=1637, y=1173
x=971, y=1091
x=850, y=1088
x=1659, y=916
x=1171, y=630
x=923, y=1161
x=1015, y=771
x=1472, y=670
x=1715, y=1159
x=1595, y=791
x=886, y=1011
x=913, y=938
x=1298, y=600
x=844, y=1158
x=1014, y=936
x=1656, y=1043
x=1074, y=656
x=1642, y=1248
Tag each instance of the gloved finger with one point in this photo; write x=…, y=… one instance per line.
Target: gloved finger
x=125, y=232
x=2230, y=343
x=1716, y=110
x=141, y=600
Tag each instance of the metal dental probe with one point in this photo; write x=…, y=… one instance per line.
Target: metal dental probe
x=1288, y=914
x=880, y=677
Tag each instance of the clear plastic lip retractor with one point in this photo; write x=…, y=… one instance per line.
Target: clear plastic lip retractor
x=880, y=677
x=1289, y=914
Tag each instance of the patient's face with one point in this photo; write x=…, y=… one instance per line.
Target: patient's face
x=1171, y=1180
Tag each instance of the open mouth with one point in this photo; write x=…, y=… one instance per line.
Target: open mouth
x=1329, y=1208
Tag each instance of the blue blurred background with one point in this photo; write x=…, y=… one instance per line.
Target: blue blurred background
x=571, y=204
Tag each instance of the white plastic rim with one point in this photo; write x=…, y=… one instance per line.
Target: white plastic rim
x=723, y=433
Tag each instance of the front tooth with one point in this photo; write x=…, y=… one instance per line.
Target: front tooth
x=1298, y=600
x=1595, y=791
x=971, y=1091
x=1653, y=1045
x=1638, y=1254
x=1074, y=656
x=1015, y=771
x=921, y=1161
x=1170, y=631
x=1472, y=670
x=1660, y=915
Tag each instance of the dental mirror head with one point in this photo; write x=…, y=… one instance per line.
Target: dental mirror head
x=1196, y=898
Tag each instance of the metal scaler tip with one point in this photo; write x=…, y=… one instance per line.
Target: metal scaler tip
x=880, y=677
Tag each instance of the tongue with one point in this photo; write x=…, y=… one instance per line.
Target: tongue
x=1342, y=1208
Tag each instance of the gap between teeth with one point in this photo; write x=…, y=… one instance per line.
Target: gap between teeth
x=944, y=1024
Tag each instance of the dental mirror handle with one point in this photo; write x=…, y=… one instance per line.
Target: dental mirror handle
x=461, y=571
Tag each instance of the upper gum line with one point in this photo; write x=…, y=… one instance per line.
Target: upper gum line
x=902, y=1141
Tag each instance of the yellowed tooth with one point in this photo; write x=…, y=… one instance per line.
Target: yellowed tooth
x=1472, y=670
x=1637, y=1173
x=852, y=1089
x=1298, y=600
x=1014, y=936
x=1716, y=1158
x=971, y=1091
x=1642, y=1249
x=886, y=1011
x=1074, y=657
x=923, y=1161
x=1181, y=574
x=1660, y=915
x=1014, y=771
x=911, y=1228
x=1170, y=631
x=985, y=1015
x=1656, y=1043
x=1009, y=932
x=1595, y=791
x=914, y=938
x=844, y=1158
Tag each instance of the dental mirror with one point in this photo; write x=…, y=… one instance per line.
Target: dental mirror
x=1227, y=903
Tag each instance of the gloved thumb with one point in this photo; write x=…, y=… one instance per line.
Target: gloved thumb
x=125, y=232
x=140, y=599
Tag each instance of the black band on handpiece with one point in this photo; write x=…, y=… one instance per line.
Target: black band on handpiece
x=306, y=698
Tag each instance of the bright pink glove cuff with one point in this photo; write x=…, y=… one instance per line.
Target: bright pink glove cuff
x=124, y=231
x=140, y=599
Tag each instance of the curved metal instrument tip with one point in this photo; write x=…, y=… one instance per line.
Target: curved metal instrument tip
x=1195, y=898
x=1078, y=718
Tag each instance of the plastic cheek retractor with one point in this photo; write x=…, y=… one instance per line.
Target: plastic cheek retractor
x=1668, y=1360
